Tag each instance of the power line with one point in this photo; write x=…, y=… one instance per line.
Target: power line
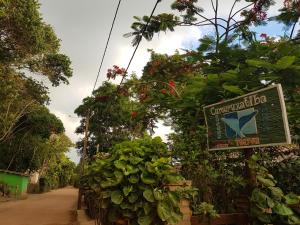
x=139, y=40
x=108, y=39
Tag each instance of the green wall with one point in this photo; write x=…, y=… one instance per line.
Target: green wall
x=17, y=182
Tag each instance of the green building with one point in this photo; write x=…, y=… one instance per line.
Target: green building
x=16, y=182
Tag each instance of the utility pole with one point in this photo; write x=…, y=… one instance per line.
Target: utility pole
x=83, y=156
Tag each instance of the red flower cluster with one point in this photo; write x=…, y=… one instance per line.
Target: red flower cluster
x=112, y=73
x=171, y=88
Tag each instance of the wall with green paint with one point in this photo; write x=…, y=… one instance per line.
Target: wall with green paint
x=17, y=182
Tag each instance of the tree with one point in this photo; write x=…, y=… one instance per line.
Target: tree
x=28, y=43
x=111, y=118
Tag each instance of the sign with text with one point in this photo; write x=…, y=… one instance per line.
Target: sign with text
x=257, y=119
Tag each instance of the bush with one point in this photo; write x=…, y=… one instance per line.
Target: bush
x=131, y=183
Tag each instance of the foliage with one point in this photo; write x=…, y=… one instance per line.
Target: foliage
x=28, y=43
x=268, y=202
x=206, y=210
x=60, y=173
x=33, y=143
x=30, y=135
x=131, y=183
x=112, y=119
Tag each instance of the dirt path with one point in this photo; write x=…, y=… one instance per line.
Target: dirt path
x=53, y=208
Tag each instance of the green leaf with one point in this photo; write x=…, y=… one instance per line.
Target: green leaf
x=105, y=194
x=233, y=89
x=148, y=195
x=285, y=62
x=265, y=182
x=133, y=197
x=293, y=219
x=282, y=209
x=147, y=208
x=173, y=179
x=127, y=190
x=174, y=198
x=164, y=210
x=135, y=160
x=119, y=164
x=292, y=199
x=133, y=179
x=116, y=197
x=175, y=217
x=147, y=179
x=158, y=194
x=276, y=192
x=261, y=199
x=129, y=169
x=125, y=205
x=145, y=220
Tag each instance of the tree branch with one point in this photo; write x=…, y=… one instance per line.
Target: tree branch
x=245, y=7
x=228, y=20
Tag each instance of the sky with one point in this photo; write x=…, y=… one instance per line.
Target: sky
x=83, y=28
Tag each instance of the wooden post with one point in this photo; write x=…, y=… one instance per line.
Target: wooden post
x=250, y=175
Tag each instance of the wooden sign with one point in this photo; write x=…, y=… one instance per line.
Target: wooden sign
x=257, y=119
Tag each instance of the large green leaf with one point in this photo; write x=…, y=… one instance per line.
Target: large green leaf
x=127, y=190
x=148, y=195
x=265, y=182
x=147, y=208
x=174, y=198
x=292, y=199
x=130, y=169
x=285, y=62
x=294, y=219
x=119, y=164
x=164, y=209
x=276, y=192
x=145, y=220
x=175, y=217
x=116, y=197
x=133, y=179
x=135, y=160
x=282, y=209
x=147, y=179
x=261, y=199
x=133, y=197
x=158, y=194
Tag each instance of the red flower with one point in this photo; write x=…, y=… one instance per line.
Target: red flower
x=164, y=91
x=134, y=114
x=172, y=83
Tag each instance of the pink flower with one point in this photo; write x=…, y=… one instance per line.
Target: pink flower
x=263, y=35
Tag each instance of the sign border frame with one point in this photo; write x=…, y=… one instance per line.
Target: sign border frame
x=283, y=113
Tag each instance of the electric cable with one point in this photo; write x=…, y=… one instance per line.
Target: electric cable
x=139, y=40
x=106, y=46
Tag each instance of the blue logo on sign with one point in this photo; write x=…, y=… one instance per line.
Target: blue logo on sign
x=240, y=123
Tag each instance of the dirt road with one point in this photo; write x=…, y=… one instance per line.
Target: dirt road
x=53, y=208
